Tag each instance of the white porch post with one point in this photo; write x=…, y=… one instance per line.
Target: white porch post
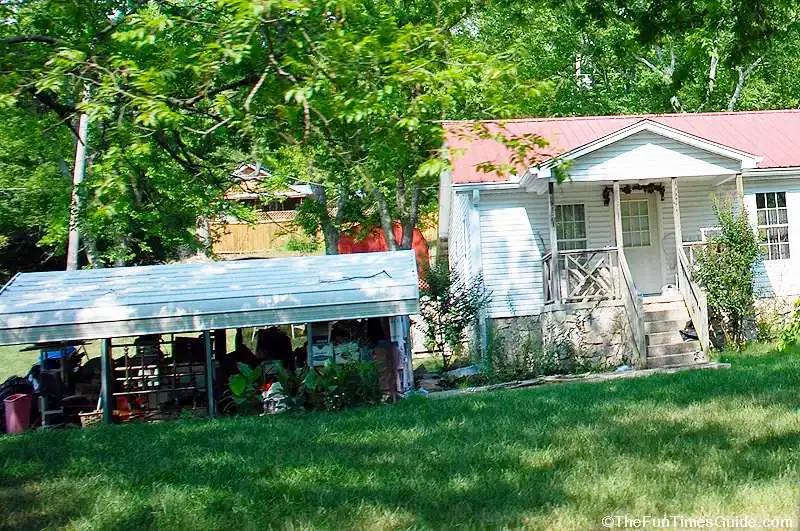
x=554, y=273
x=618, y=230
x=740, y=191
x=617, y=217
x=676, y=215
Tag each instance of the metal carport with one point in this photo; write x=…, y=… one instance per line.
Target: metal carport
x=163, y=299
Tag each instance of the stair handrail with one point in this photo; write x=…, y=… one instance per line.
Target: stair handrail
x=695, y=299
x=634, y=309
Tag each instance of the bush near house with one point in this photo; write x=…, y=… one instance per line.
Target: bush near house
x=450, y=307
x=725, y=270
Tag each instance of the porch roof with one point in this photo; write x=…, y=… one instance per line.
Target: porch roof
x=162, y=299
x=769, y=135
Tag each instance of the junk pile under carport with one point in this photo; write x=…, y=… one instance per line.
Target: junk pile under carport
x=163, y=330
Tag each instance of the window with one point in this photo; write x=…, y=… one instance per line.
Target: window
x=773, y=225
x=570, y=227
x=635, y=223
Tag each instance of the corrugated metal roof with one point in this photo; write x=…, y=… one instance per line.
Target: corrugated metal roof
x=128, y=301
x=773, y=135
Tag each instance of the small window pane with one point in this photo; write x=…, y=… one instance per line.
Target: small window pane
x=773, y=224
x=570, y=227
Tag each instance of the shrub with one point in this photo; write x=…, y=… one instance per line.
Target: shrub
x=332, y=386
x=725, y=270
x=450, y=306
x=790, y=335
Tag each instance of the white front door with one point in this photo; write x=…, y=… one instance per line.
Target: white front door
x=641, y=241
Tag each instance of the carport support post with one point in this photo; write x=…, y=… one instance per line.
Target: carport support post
x=107, y=381
x=212, y=406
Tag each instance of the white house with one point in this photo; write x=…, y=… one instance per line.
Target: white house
x=619, y=233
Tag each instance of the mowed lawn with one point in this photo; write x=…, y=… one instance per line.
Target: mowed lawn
x=702, y=443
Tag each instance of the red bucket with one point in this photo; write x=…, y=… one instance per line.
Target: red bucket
x=18, y=412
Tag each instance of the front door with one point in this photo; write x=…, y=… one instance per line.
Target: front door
x=640, y=237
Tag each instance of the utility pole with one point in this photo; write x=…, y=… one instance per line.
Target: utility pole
x=78, y=174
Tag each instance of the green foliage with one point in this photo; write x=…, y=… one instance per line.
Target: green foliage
x=450, y=306
x=178, y=94
x=725, y=270
x=339, y=386
x=790, y=335
x=298, y=243
x=331, y=387
x=244, y=387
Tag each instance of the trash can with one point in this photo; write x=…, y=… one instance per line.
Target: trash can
x=18, y=412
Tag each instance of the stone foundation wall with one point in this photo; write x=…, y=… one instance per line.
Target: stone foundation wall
x=584, y=335
x=772, y=316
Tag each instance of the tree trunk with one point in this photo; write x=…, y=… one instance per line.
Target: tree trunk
x=79, y=171
x=386, y=219
x=410, y=220
x=330, y=231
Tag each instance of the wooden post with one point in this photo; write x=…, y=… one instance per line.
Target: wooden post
x=220, y=343
x=107, y=381
x=676, y=216
x=617, y=217
x=554, y=272
x=740, y=191
x=212, y=405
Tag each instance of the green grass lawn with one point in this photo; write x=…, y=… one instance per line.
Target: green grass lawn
x=702, y=443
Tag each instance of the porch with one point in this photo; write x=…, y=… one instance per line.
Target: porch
x=645, y=267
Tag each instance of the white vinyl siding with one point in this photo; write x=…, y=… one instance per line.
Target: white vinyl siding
x=458, y=246
x=647, y=155
x=599, y=230
x=514, y=228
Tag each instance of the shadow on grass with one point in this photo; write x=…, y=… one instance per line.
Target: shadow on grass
x=573, y=452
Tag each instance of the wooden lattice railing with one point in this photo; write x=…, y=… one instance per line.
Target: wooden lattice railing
x=583, y=275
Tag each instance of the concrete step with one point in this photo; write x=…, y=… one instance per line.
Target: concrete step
x=654, y=327
x=654, y=299
x=667, y=337
x=671, y=349
x=677, y=314
x=661, y=306
x=677, y=360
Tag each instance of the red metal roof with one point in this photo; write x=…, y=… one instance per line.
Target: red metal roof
x=773, y=135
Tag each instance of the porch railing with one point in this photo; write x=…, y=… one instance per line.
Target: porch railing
x=596, y=274
x=583, y=275
x=634, y=309
x=694, y=296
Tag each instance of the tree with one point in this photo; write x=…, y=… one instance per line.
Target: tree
x=180, y=93
x=611, y=57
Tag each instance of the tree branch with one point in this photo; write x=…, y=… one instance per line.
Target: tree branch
x=25, y=39
x=744, y=73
